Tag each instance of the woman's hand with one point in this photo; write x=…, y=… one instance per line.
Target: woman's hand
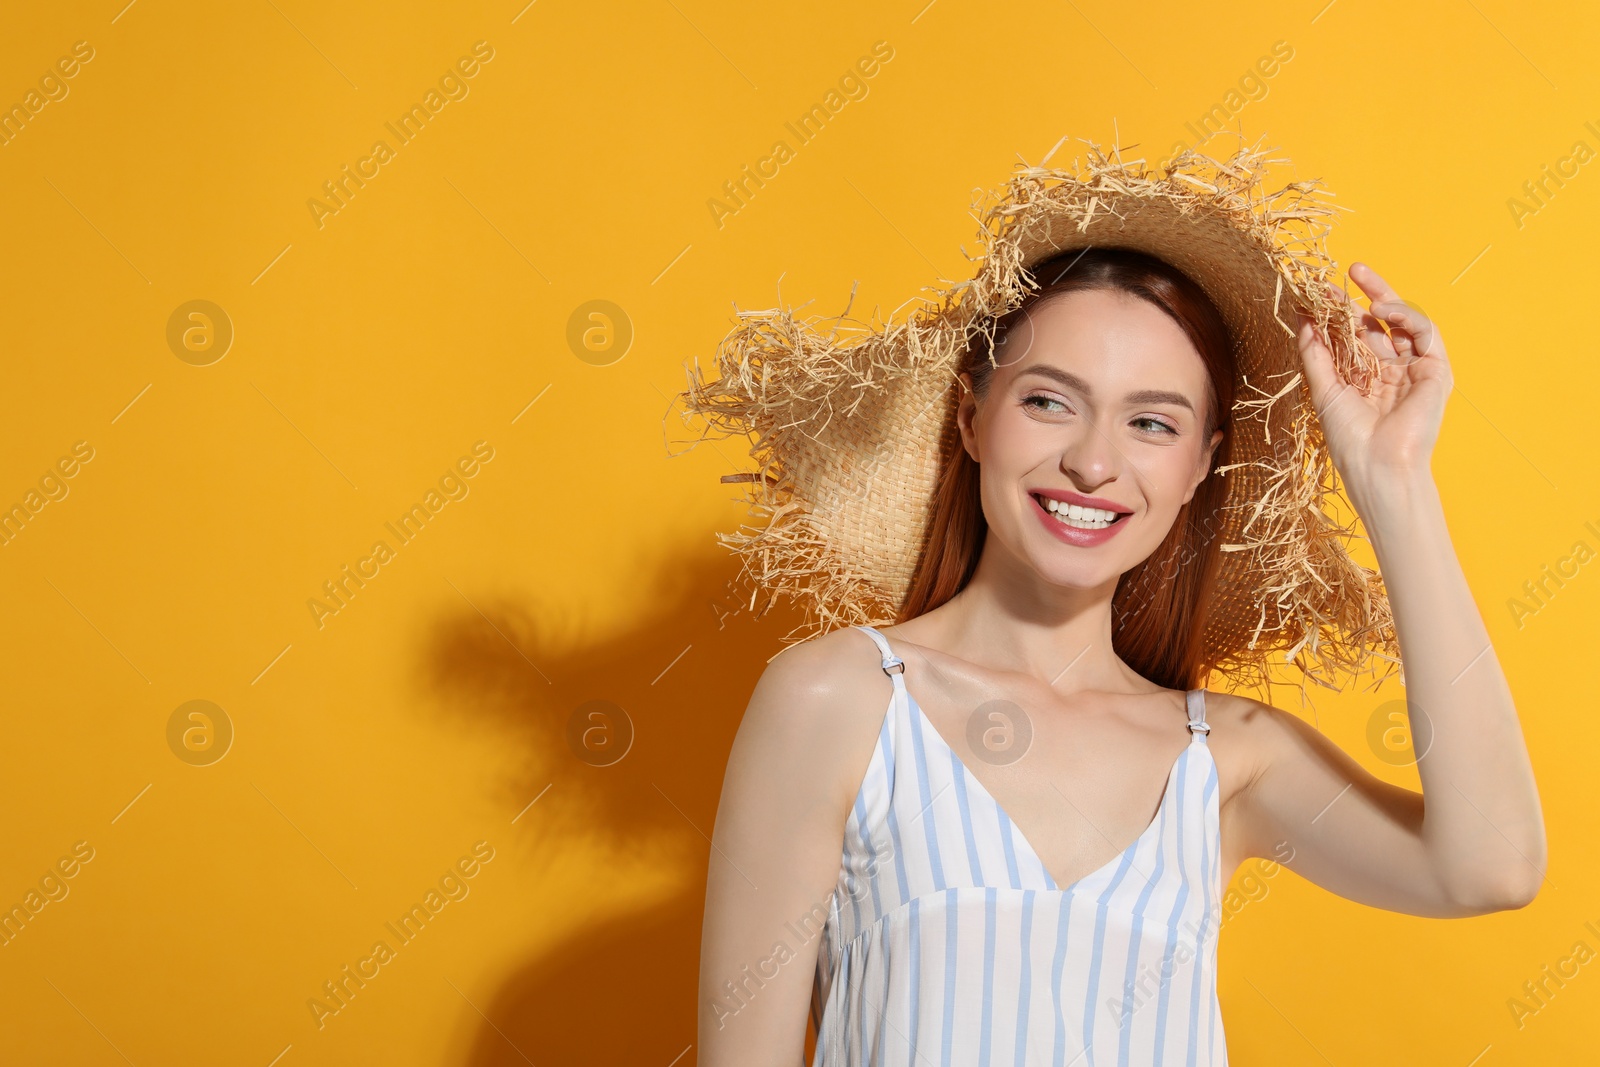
x=1388, y=435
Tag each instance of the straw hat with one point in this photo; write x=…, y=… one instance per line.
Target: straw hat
x=848, y=428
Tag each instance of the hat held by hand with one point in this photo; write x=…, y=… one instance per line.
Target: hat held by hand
x=852, y=428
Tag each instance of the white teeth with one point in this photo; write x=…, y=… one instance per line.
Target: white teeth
x=1080, y=517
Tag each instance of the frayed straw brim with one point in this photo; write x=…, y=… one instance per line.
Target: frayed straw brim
x=848, y=431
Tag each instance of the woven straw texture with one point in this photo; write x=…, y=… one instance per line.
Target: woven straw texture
x=847, y=426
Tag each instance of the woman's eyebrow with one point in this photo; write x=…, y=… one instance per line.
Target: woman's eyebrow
x=1142, y=396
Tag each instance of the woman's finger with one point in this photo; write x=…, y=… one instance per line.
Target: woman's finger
x=1418, y=335
x=1372, y=283
x=1321, y=375
x=1421, y=337
x=1367, y=325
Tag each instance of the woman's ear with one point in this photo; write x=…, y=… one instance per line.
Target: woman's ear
x=1207, y=457
x=966, y=414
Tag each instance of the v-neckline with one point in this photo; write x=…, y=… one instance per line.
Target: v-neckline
x=973, y=783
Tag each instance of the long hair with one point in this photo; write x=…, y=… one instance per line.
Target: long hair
x=1159, y=607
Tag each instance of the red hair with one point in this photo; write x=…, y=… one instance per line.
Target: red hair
x=1159, y=607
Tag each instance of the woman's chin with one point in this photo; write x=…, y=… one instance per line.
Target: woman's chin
x=1078, y=578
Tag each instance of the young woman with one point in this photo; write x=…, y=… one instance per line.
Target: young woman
x=1021, y=860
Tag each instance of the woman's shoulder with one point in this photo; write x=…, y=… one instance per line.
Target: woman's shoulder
x=822, y=701
x=1245, y=714
x=829, y=673
x=1245, y=732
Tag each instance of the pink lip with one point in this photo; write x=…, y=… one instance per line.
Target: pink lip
x=1070, y=534
x=1082, y=501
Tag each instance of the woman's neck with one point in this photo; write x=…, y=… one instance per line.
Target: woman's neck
x=1007, y=619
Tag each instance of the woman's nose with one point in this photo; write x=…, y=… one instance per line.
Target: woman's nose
x=1090, y=455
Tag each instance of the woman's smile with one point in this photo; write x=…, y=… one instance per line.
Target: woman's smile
x=1077, y=525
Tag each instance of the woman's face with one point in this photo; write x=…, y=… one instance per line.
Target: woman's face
x=1099, y=399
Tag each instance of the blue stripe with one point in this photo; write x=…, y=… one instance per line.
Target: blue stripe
x=852, y=1031
x=902, y=876
x=916, y=970
x=1205, y=916
x=883, y=760
x=1009, y=847
x=950, y=943
x=959, y=772
x=883, y=963
x=1025, y=980
x=1167, y=964
x=1055, y=977
x=855, y=890
x=988, y=976
x=1130, y=979
x=926, y=789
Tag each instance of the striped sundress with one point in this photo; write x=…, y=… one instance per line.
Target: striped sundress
x=947, y=941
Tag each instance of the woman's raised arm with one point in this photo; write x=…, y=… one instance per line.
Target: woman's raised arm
x=1474, y=840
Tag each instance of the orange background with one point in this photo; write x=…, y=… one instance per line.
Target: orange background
x=375, y=747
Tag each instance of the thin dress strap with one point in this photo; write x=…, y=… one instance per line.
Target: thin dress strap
x=889, y=658
x=1197, y=714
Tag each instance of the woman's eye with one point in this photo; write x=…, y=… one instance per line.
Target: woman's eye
x=1042, y=403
